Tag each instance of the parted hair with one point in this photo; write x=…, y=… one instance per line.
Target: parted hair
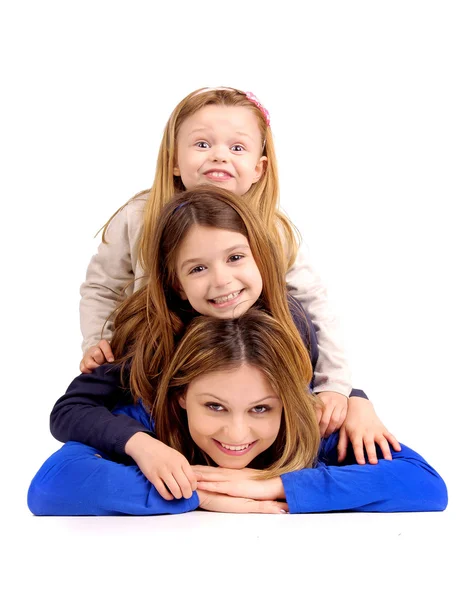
x=150, y=322
x=263, y=196
x=256, y=339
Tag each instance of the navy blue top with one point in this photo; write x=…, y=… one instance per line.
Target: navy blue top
x=84, y=413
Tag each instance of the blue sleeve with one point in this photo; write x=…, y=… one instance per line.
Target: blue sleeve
x=407, y=483
x=84, y=414
x=75, y=481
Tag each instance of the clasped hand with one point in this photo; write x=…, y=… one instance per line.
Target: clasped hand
x=238, y=491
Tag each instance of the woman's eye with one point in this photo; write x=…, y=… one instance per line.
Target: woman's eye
x=202, y=144
x=197, y=269
x=235, y=257
x=261, y=409
x=215, y=407
x=237, y=148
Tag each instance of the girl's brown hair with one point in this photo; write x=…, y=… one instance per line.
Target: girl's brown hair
x=149, y=323
x=256, y=339
x=262, y=197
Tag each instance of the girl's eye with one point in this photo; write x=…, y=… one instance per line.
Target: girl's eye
x=237, y=148
x=235, y=257
x=202, y=145
x=261, y=409
x=215, y=407
x=197, y=269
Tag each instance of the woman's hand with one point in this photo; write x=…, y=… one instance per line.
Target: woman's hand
x=168, y=470
x=364, y=429
x=240, y=483
x=222, y=503
x=333, y=414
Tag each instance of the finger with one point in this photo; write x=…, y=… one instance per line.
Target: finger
x=172, y=485
x=371, y=451
x=270, y=507
x=386, y=451
x=190, y=475
x=106, y=350
x=90, y=364
x=161, y=488
x=183, y=483
x=334, y=423
x=218, y=487
x=210, y=475
x=83, y=368
x=324, y=421
x=342, y=444
x=98, y=357
x=393, y=441
x=357, y=446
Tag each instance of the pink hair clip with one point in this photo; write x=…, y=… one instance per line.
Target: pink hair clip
x=252, y=98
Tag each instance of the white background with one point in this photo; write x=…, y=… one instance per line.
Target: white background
x=366, y=105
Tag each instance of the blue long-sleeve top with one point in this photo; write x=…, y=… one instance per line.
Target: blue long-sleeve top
x=84, y=413
x=81, y=480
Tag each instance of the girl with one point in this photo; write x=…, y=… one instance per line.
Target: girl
x=235, y=396
x=222, y=137
x=211, y=255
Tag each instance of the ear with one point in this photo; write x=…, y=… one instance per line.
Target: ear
x=177, y=171
x=182, y=402
x=260, y=168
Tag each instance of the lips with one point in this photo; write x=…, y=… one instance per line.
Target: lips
x=227, y=298
x=235, y=450
x=218, y=175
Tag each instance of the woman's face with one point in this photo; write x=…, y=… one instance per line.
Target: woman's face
x=217, y=273
x=233, y=416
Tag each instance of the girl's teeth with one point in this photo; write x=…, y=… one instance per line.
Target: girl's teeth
x=236, y=448
x=222, y=299
x=216, y=174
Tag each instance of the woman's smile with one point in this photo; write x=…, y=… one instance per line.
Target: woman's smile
x=235, y=450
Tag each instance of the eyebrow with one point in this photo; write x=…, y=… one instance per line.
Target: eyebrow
x=201, y=129
x=255, y=403
x=199, y=260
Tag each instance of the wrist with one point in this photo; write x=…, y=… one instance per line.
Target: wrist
x=279, y=489
x=136, y=444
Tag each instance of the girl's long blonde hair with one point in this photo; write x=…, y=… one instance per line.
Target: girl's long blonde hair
x=256, y=339
x=151, y=321
x=263, y=196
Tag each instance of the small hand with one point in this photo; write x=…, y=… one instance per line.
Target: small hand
x=333, y=414
x=96, y=356
x=168, y=470
x=241, y=483
x=364, y=429
x=222, y=503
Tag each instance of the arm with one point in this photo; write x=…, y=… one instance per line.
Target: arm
x=110, y=274
x=76, y=480
x=84, y=414
x=332, y=372
x=407, y=483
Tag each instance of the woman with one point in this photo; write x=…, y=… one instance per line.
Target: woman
x=235, y=403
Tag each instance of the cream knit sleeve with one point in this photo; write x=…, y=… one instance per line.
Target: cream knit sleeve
x=331, y=372
x=112, y=275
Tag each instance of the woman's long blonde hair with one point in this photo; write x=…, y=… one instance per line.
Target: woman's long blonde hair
x=263, y=196
x=256, y=339
x=149, y=323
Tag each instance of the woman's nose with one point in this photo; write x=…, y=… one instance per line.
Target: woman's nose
x=237, y=432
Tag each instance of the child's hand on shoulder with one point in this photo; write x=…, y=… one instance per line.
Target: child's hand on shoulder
x=167, y=469
x=333, y=413
x=364, y=429
x=96, y=356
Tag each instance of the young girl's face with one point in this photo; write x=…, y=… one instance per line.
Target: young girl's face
x=233, y=416
x=216, y=272
x=220, y=145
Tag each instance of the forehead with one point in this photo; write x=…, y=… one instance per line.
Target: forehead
x=239, y=387
x=222, y=118
x=211, y=239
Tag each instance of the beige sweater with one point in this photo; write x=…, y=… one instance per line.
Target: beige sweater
x=115, y=266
